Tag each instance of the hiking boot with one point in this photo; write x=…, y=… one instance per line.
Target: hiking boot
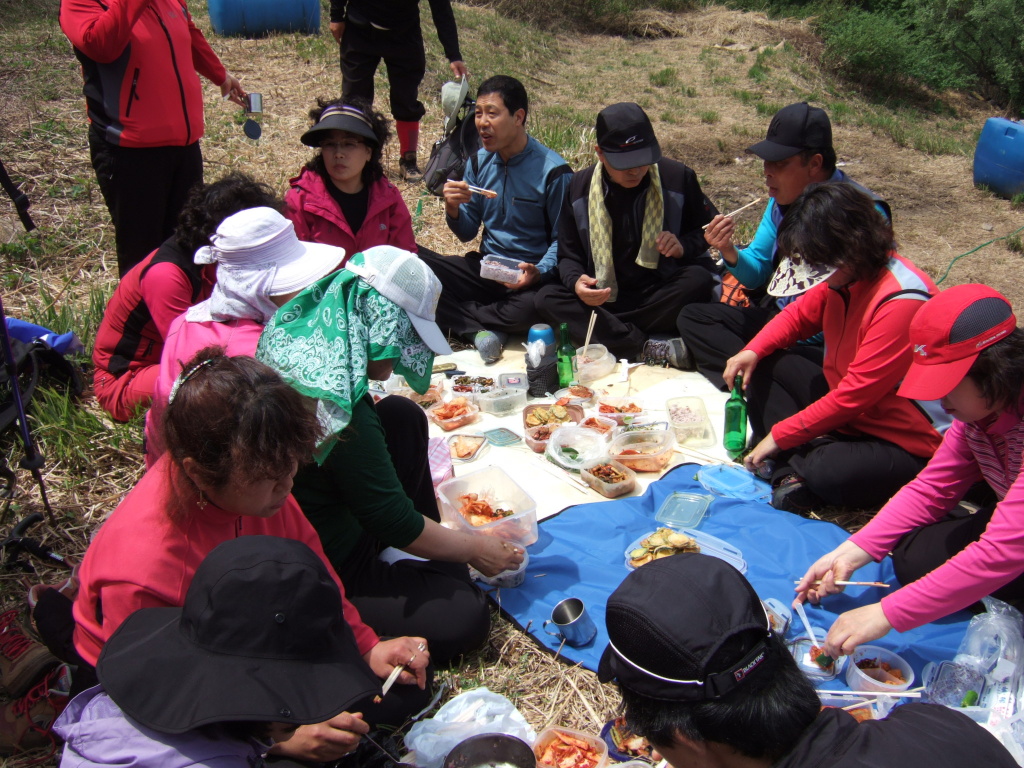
x=791, y=494
x=667, y=352
x=489, y=344
x=408, y=169
x=25, y=723
x=22, y=659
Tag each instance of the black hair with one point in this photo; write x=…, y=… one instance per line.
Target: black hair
x=998, y=372
x=374, y=169
x=828, y=158
x=835, y=224
x=763, y=718
x=209, y=204
x=512, y=92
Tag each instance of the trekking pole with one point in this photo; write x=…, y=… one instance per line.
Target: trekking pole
x=19, y=198
x=32, y=460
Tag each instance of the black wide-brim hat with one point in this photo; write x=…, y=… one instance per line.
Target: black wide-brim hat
x=340, y=118
x=261, y=638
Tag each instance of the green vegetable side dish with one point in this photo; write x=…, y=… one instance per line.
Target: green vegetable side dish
x=570, y=453
x=970, y=699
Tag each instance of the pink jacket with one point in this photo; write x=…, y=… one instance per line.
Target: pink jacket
x=969, y=452
x=318, y=219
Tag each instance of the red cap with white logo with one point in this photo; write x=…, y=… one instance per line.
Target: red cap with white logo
x=948, y=334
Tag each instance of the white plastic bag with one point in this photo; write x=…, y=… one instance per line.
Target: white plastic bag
x=468, y=714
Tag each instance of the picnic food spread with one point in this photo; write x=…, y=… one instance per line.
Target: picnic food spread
x=478, y=512
x=627, y=408
x=882, y=671
x=563, y=750
x=464, y=446
x=608, y=473
x=592, y=422
x=664, y=542
x=471, y=383
x=554, y=414
x=627, y=742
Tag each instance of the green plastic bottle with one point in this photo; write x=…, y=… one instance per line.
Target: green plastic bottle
x=566, y=358
x=735, y=436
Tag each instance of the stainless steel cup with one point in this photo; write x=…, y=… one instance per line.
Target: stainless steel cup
x=573, y=622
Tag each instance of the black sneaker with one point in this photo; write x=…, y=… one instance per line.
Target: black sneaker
x=408, y=169
x=791, y=494
x=667, y=352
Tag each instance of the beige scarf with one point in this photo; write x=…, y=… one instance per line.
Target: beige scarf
x=601, y=229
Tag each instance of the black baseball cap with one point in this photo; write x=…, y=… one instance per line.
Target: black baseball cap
x=342, y=117
x=669, y=623
x=792, y=130
x=626, y=136
x=260, y=638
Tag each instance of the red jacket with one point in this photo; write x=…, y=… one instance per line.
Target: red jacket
x=318, y=219
x=867, y=353
x=139, y=61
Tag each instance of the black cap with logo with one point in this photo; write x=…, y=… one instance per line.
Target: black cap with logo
x=792, y=130
x=626, y=136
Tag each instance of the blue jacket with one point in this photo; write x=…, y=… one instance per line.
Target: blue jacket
x=522, y=221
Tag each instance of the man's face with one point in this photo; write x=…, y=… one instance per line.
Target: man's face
x=628, y=178
x=499, y=129
x=787, y=179
x=686, y=754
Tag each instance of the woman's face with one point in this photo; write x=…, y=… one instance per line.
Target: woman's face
x=966, y=403
x=242, y=495
x=345, y=155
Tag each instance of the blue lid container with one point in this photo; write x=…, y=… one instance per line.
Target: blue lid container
x=999, y=157
x=255, y=18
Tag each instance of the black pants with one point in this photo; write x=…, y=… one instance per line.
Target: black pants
x=406, y=433
x=362, y=48
x=715, y=332
x=625, y=324
x=470, y=303
x=926, y=548
x=145, y=190
x=843, y=470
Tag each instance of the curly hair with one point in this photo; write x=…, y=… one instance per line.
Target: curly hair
x=835, y=224
x=209, y=204
x=381, y=126
x=234, y=415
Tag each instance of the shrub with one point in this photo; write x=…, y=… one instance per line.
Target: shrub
x=613, y=16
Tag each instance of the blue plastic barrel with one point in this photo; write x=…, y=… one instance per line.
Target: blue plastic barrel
x=255, y=18
x=999, y=157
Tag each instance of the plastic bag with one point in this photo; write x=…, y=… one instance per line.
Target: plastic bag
x=468, y=714
x=993, y=643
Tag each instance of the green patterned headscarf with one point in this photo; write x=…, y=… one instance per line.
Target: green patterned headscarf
x=322, y=340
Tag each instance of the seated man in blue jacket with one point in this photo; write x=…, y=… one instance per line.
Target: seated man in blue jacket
x=630, y=243
x=520, y=222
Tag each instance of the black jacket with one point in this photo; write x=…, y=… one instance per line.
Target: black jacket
x=399, y=17
x=913, y=736
x=687, y=209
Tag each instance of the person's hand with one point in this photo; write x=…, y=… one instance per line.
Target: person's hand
x=719, y=235
x=232, y=89
x=493, y=555
x=586, y=288
x=762, y=451
x=742, y=364
x=325, y=742
x=337, y=29
x=530, y=276
x=855, y=627
x=838, y=565
x=459, y=69
x=668, y=245
x=455, y=194
x=408, y=651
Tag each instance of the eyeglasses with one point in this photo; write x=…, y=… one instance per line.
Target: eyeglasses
x=341, y=147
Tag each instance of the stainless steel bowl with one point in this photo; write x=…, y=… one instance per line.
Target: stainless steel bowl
x=491, y=749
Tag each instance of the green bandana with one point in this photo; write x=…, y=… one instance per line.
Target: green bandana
x=601, y=229
x=322, y=340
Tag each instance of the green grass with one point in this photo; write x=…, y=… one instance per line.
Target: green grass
x=709, y=117
x=664, y=78
x=1015, y=243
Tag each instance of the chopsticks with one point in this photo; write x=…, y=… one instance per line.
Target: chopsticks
x=911, y=694
x=880, y=584
x=590, y=330
x=391, y=679
x=807, y=623
x=479, y=190
x=733, y=213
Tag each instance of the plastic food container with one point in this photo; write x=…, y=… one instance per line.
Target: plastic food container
x=801, y=650
x=466, y=448
x=625, y=759
x=689, y=419
x=494, y=485
x=534, y=437
x=513, y=578
x=733, y=482
x=593, y=362
x=778, y=614
x=709, y=545
x=577, y=394
x=574, y=413
x=643, y=451
x=615, y=403
x=472, y=414
x=471, y=386
x=502, y=402
x=599, y=424
x=953, y=685
x=606, y=488
x=574, y=447
x=500, y=268
x=549, y=734
x=683, y=510
x=874, y=679
x=860, y=707
x=513, y=380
